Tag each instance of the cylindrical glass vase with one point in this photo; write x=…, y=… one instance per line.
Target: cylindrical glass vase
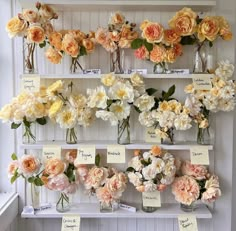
x=200, y=58
x=169, y=139
x=63, y=204
x=35, y=196
x=29, y=56
x=123, y=131
x=71, y=137
x=117, y=61
x=188, y=208
x=29, y=132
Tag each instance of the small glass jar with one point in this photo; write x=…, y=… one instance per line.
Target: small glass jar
x=169, y=140
x=71, y=137
x=117, y=61
x=29, y=132
x=63, y=204
x=188, y=208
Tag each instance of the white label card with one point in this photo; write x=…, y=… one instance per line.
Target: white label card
x=115, y=154
x=199, y=155
x=30, y=83
x=187, y=223
x=51, y=151
x=139, y=71
x=152, y=199
x=86, y=154
x=151, y=136
x=202, y=82
x=70, y=223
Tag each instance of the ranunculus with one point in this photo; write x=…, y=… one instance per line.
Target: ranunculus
x=28, y=165
x=153, y=32
x=171, y=37
x=141, y=53
x=158, y=53
x=47, y=12
x=30, y=16
x=16, y=27
x=70, y=46
x=89, y=45
x=55, y=40
x=58, y=183
x=12, y=167
x=53, y=55
x=36, y=34
x=198, y=172
x=54, y=167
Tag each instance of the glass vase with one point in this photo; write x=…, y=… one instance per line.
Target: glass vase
x=200, y=58
x=29, y=132
x=169, y=139
x=109, y=207
x=75, y=66
x=117, y=61
x=205, y=136
x=148, y=209
x=123, y=131
x=29, y=56
x=35, y=195
x=161, y=68
x=71, y=137
x=63, y=204
x=188, y=208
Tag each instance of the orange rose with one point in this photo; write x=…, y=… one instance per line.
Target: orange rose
x=153, y=32
x=137, y=152
x=29, y=165
x=141, y=53
x=55, y=40
x=178, y=49
x=78, y=35
x=71, y=156
x=171, y=37
x=36, y=34
x=70, y=46
x=16, y=27
x=157, y=55
x=89, y=45
x=226, y=34
x=208, y=29
x=91, y=35
x=156, y=150
x=117, y=19
x=124, y=43
x=54, y=167
x=184, y=22
x=30, y=16
x=53, y=56
x=100, y=36
x=170, y=56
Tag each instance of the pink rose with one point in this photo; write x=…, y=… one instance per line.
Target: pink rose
x=82, y=172
x=104, y=195
x=71, y=189
x=12, y=167
x=58, y=183
x=210, y=195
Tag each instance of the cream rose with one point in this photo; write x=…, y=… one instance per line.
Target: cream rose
x=53, y=55
x=136, y=80
x=54, y=167
x=30, y=16
x=108, y=79
x=16, y=27
x=28, y=165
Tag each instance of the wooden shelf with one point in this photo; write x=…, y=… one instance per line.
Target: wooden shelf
x=103, y=145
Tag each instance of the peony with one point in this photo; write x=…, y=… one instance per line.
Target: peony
x=137, y=80
x=12, y=168
x=58, y=183
x=196, y=171
x=144, y=102
x=157, y=55
x=120, y=109
x=153, y=32
x=70, y=45
x=107, y=115
x=53, y=55
x=141, y=53
x=55, y=40
x=16, y=27
x=30, y=16
x=135, y=178
x=108, y=80
x=67, y=118
x=54, y=167
x=36, y=34
x=225, y=69
x=97, y=97
x=28, y=165
x=185, y=189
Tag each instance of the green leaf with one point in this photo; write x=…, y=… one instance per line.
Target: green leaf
x=199, y=20
x=145, y=163
x=169, y=93
x=13, y=178
x=187, y=40
x=41, y=121
x=151, y=91
x=82, y=51
x=148, y=45
x=14, y=156
x=14, y=125
x=26, y=123
x=38, y=181
x=210, y=44
x=130, y=169
x=42, y=45
x=137, y=43
x=137, y=109
x=97, y=160
x=31, y=179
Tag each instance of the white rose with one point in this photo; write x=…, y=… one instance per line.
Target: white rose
x=135, y=163
x=107, y=115
x=150, y=172
x=182, y=122
x=144, y=102
x=137, y=80
x=120, y=109
x=210, y=195
x=145, y=118
x=135, y=178
x=225, y=69
x=193, y=105
x=149, y=186
x=158, y=164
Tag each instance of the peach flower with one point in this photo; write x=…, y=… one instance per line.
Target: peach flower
x=198, y=172
x=156, y=150
x=71, y=156
x=58, y=183
x=225, y=31
x=104, y=195
x=170, y=56
x=89, y=45
x=211, y=195
x=82, y=172
x=117, y=184
x=30, y=16
x=185, y=189
x=144, y=24
x=71, y=189
x=16, y=27
x=157, y=55
x=124, y=43
x=208, y=29
x=12, y=167
x=137, y=152
x=178, y=49
x=47, y=12
x=70, y=46
x=184, y=22
x=54, y=167
x=140, y=188
x=53, y=55
x=28, y=165
x=36, y=34
x=117, y=19
x=153, y=32
x=55, y=40
x=161, y=187
x=48, y=28
x=213, y=182
x=141, y=53
x=171, y=37
x=100, y=36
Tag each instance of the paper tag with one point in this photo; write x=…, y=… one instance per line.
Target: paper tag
x=115, y=154
x=139, y=71
x=51, y=151
x=92, y=71
x=202, y=82
x=152, y=199
x=70, y=223
x=86, y=154
x=180, y=71
x=127, y=207
x=151, y=136
x=187, y=223
x=30, y=83
x=199, y=155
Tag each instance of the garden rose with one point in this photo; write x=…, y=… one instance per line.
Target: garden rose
x=16, y=27
x=141, y=53
x=54, y=167
x=54, y=88
x=158, y=53
x=117, y=18
x=53, y=55
x=70, y=46
x=108, y=80
x=71, y=189
x=71, y=156
x=156, y=150
x=171, y=37
x=58, y=183
x=153, y=32
x=104, y=195
x=55, y=40
x=198, y=172
x=30, y=16
x=82, y=171
x=89, y=45
x=12, y=167
x=35, y=34
x=28, y=165
x=117, y=184
x=211, y=195
x=47, y=12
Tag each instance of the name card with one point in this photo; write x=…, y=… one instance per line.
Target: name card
x=139, y=71
x=180, y=71
x=30, y=83
x=92, y=71
x=202, y=82
x=151, y=136
x=152, y=199
x=115, y=154
x=51, y=151
x=199, y=155
x=70, y=223
x=86, y=154
x=187, y=223
x=127, y=208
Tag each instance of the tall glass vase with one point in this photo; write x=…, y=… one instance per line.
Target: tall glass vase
x=63, y=204
x=200, y=58
x=71, y=137
x=29, y=56
x=123, y=131
x=29, y=132
x=35, y=196
x=169, y=139
x=117, y=61
x=75, y=65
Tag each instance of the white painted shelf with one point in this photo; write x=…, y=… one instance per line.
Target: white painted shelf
x=91, y=210
x=103, y=145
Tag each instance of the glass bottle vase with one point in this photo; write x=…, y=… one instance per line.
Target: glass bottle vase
x=161, y=68
x=71, y=137
x=123, y=131
x=169, y=139
x=29, y=132
x=205, y=136
x=117, y=61
x=29, y=56
x=63, y=204
x=188, y=208
x=35, y=196
x=200, y=58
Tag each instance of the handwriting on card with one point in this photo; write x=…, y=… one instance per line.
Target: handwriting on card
x=202, y=82
x=51, y=151
x=199, y=155
x=70, y=223
x=86, y=154
x=187, y=223
x=115, y=154
x=30, y=83
x=151, y=136
x=152, y=199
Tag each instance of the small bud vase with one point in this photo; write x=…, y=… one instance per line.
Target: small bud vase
x=71, y=137
x=29, y=56
x=29, y=132
x=123, y=131
x=35, y=195
x=188, y=208
x=63, y=204
x=200, y=58
x=108, y=207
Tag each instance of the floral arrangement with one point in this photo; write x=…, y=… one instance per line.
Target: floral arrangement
x=152, y=170
x=195, y=184
x=74, y=43
x=35, y=26
x=119, y=34
x=158, y=45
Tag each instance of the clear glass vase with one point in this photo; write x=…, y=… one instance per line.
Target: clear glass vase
x=169, y=140
x=123, y=131
x=200, y=58
x=35, y=196
x=188, y=208
x=75, y=66
x=71, y=137
x=63, y=204
x=161, y=68
x=117, y=61
x=205, y=136
x=29, y=56
x=29, y=132
x=109, y=207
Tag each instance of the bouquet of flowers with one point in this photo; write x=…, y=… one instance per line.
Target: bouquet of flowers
x=152, y=170
x=158, y=45
x=119, y=34
x=35, y=26
x=74, y=43
x=196, y=183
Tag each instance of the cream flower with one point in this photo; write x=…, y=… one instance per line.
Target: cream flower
x=108, y=79
x=158, y=164
x=86, y=116
x=211, y=195
x=77, y=101
x=144, y=102
x=225, y=69
x=193, y=105
x=16, y=27
x=182, y=122
x=149, y=186
x=120, y=109
x=135, y=178
x=6, y=113
x=47, y=12
x=136, y=80
x=135, y=163
x=149, y=172
x=227, y=92
x=210, y=102
x=67, y=118
x=97, y=97
x=145, y=118
x=54, y=89
x=107, y=115
x=226, y=105
x=55, y=108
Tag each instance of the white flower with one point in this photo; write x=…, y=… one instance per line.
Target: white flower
x=135, y=163
x=227, y=92
x=158, y=164
x=86, y=116
x=67, y=118
x=146, y=155
x=107, y=115
x=167, y=180
x=77, y=101
x=144, y=102
x=166, y=119
x=149, y=186
x=169, y=169
x=135, y=178
x=97, y=97
x=226, y=105
x=136, y=80
x=210, y=102
x=6, y=113
x=120, y=109
x=193, y=104
x=149, y=172
x=108, y=79
x=225, y=69
x=145, y=118
x=213, y=182
x=182, y=122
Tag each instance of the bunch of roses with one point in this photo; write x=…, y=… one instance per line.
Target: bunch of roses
x=152, y=170
x=196, y=183
x=115, y=103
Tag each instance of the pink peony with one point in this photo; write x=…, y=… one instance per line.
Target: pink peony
x=58, y=183
x=185, y=189
x=71, y=189
x=104, y=195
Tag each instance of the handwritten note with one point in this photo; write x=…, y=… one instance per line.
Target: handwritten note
x=199, y=155
x=152, y=199
x=30, y=83
x=202, y=82
x=115, y=154
x=51, y=151
x=70, y=223
x=187, y=223
x=86, y=154
x=139, y=71
x=151, y=136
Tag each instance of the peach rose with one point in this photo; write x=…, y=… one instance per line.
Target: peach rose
x=12, y=167
x=58, y=183
x=91, y=34
x=157, y=55
x=114, y=36
x=141, y=53
x=225, y=31
x=53, y=55
x=82, y=172
x=89, y=45
x=161, y=187
x=70, y=46
x=30, y=16
x=36, y=34
x=71, y=155
x=137, y=152
x=54, y=167
x=47, y=12
x=156, y=150
x=184, y=22
x=178, y=49
x=117, y=184
x=100, y=36
x=153, y=32
x=208, y=29
x=140, y=188
x=124, y=43
x=144, y=24
x=48, y=28
x=16, y=27
x=171, y=37
x=28, y=165
x=71, y=189
x=104, y=195
x=117, y=19
x=78, y=35
x=55, y=40
x=170, y=56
